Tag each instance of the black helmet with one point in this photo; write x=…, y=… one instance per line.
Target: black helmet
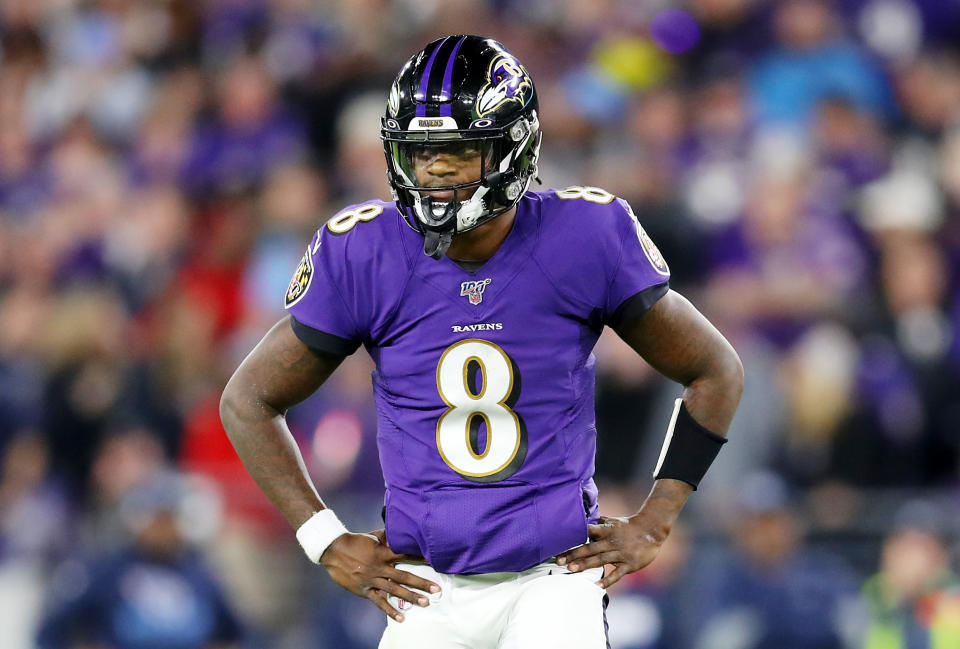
x=469, y=95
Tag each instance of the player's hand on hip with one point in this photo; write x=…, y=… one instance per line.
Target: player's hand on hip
x=626, y=543
x=365, y=565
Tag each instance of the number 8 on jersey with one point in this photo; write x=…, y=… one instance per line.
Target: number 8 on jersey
x=478, y=381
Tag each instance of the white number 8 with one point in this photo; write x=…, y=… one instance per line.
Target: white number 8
x=591, y=194
x=345, y=220
x=458, y=427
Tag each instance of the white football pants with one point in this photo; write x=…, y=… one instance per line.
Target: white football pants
x=545, y=607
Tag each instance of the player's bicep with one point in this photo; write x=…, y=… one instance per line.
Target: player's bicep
x=280, y=371
x=677, y=340
x=640, y=277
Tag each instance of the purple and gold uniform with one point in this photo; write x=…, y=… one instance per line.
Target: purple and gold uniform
x=484, y=380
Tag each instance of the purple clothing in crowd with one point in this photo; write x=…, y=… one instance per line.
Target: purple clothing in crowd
x=227, y=158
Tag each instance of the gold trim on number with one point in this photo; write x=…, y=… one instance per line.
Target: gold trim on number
x=483, y=378
x=486, y=448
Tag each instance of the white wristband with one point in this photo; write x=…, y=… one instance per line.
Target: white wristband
x=320, y=530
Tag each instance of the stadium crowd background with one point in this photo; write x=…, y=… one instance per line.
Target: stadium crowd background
x=163, y=163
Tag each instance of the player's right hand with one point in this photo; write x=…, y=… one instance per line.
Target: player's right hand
x=364, y=564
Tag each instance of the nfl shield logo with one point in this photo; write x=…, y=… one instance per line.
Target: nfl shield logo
x=473, y=290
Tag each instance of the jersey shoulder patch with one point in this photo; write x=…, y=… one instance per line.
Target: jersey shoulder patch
x=347, y=242
x=300, y=281
x=653, y=254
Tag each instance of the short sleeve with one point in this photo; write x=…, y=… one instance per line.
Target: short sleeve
x=321, y=318
x=641, y=275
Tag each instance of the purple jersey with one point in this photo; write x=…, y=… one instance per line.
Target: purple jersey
x=484, y=380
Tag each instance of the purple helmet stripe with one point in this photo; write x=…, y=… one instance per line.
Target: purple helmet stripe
x=425, y=79
x=445, y=92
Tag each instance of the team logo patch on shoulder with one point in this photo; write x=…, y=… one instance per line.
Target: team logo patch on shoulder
x=651, y=251
x=473, y=290
x=301, y=280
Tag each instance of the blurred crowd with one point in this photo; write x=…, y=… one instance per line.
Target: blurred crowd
x=163, y=163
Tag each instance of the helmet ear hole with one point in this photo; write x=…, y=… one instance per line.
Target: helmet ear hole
x=519, y=130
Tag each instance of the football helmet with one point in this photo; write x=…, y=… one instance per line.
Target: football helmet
x=466, y=97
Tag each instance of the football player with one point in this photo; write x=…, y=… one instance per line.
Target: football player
x=480, y=303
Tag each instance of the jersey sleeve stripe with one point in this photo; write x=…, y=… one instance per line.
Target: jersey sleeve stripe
x=321, y=340
x=638, y=303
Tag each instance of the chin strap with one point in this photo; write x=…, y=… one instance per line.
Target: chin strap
x=436, y=244
x=437, y=239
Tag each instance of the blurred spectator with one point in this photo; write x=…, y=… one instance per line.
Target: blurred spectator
x=902, y=430
x=818, y=381
x=730, y=30
x=34, y=531
x=893, y=28
x=157, y=593
x=126, y=460
x=160, y=149
x=290, y=209
x=714, y=156
x=338, y=429
x=772, y=592
x=250, y=134
x=21, y=377
x=28, y=492
x=145, y=248
x=914, y=601
x=359, y=170
x=626, y=389
x=82, y=345
x=652, y=608
x=929, y=92
x=811, y=62
x=789, y=262
x=850, y=145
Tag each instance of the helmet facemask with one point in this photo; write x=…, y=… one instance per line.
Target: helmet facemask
x=504, y=160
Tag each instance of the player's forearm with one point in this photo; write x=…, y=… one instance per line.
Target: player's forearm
x=711, y=397
x=270, y=454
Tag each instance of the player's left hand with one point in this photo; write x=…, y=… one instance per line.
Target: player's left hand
x=629, y=544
